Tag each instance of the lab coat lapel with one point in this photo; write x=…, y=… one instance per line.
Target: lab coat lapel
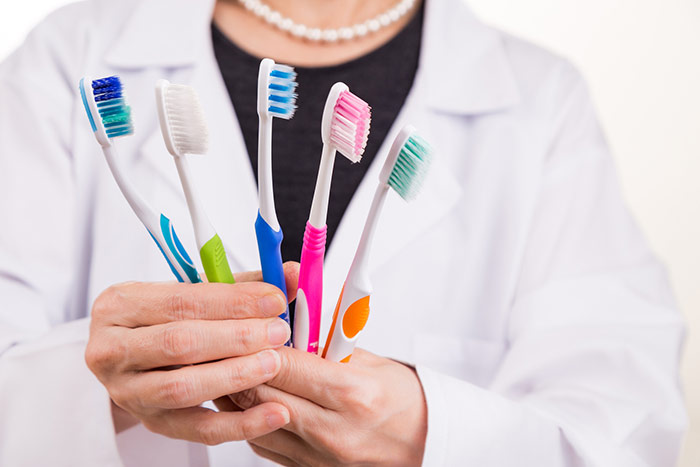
x=463, y=70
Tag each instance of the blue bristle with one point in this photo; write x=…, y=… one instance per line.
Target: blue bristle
x=281, y=96
x=115, y=114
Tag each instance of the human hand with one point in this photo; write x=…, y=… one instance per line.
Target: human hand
x=369, y=411
x=162, y=349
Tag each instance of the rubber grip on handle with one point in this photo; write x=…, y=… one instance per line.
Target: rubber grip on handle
x=215, y=262
x=269, y=247
x=311, y=280
x=175, y=247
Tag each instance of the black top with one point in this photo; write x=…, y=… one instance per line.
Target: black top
x=382, y=78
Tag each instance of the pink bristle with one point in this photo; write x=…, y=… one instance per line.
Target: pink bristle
x=350, y=126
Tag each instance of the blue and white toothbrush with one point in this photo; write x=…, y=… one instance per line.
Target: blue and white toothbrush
x=276, y=98
x=110, y=118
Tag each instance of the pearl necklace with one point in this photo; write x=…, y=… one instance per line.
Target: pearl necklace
x=274, y=18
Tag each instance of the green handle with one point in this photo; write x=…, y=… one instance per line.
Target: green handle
x=214, y=261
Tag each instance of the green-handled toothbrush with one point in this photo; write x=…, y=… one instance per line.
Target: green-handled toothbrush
x=185, y=132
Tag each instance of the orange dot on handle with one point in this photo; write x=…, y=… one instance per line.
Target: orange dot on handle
x=355, y=317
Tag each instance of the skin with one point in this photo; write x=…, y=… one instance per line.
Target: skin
x=162, y=349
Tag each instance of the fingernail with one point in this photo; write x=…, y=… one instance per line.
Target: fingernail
x=272, y=304
x=269, y=361
x=277, y=420
x=278, y=332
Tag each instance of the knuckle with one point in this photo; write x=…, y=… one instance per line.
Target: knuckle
x=178, y=342
x=103, y=356
x=367, y=397
x=177, y=392
x=209, y=433
x=246, y=335
x=246, y=399
x=247, y=430
x=184, y=306
x=108, y=301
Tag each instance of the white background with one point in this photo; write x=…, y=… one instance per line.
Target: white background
x=642, y=60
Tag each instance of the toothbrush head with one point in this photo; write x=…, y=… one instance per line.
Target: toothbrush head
x=276, y=90
x=346, y=122
x=181, y=119
x=106, y=108
x=407, y=163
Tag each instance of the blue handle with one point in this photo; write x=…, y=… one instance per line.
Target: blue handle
x=269, y=247
x=173, y=244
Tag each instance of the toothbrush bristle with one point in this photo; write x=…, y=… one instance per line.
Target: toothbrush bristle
x=411, y=167
x=281, y=96
x=115, y=114
x=188, y=128
x=350, y=125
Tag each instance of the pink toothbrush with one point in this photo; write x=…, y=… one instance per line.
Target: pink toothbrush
x=344, y=128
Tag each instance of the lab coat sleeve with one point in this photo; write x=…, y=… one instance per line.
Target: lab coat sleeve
x=590, y=376
x=53, y=411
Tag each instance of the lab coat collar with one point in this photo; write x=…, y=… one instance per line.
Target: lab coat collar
x=468, y=76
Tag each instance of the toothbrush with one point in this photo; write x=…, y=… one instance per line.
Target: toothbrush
x=344, y=128
x=276, y=98
x=185, y=132
x=404, y=170
x=110, y=118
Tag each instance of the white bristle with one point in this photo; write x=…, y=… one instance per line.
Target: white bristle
x=188, y=129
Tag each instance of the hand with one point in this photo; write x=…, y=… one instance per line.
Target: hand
x=162, y=349
x=369, y=411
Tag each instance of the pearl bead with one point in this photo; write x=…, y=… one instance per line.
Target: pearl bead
x=313, y=34
x=298, y=30
x=394, y=15
x=286, y=24
x=384, y=19
x=373, y=25
x=264, y=10
x=346, y=33
x=329, y=35
x=275, y=18
x=360, y=30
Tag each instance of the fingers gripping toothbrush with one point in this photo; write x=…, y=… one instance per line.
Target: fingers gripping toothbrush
x=185, y=132
x=110, y=118
x=276, y=98
x=404, y=170
x=344, y=128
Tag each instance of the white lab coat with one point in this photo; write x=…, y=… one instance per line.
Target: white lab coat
x=543, y=329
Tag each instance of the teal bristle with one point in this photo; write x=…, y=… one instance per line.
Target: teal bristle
x=411, y=167
x=115, y=114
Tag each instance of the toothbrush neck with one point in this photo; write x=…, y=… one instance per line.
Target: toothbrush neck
x=319, y=206
x=266, y=197
x=361, y=261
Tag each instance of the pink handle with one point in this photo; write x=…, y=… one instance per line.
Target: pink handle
x=311, y=279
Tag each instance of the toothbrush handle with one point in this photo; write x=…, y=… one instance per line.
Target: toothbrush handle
x=174, y=252
x=269, y=247
x=307, y=316
x=214, y=261
x=350, y=316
